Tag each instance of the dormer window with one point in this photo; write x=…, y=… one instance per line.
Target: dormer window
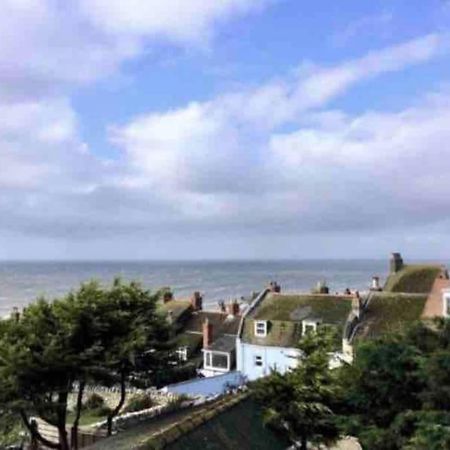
x=261, y=328
x=310, y=326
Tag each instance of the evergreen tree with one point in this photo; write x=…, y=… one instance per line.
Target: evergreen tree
x=300, y=403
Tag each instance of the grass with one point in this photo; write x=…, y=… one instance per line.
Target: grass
x=391, y=313
x=413, y=279
x=88, y=417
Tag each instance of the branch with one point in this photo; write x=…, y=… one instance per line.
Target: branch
x=117, y=409
x=35, y=432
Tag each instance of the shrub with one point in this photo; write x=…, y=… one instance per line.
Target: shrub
x=94, y=401
x=139, y=402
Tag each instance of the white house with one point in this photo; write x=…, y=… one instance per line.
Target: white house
x=274, y=323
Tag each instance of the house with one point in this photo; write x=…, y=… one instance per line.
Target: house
x=412, y=292
x=275, y=322
x=207, y=336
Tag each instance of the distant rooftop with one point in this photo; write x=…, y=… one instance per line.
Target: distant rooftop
x=413, y=279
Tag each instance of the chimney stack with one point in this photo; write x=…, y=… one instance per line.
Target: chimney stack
x=167, y=296
x=197, y=301
x=396, y=262
x=322, y=288
x=207, y=333
x=375, y=284
x=233, y=308
x=274, y=287
x=356, y=304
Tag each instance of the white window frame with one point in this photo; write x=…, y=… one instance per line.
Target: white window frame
x=260, y=328
x=309, y=323
x=207, y=361
x=182, y=353
x=446, y=303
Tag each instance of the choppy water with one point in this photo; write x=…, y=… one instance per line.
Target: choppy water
x=21, y=283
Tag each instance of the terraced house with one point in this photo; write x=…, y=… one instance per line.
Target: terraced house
x=412, y=292
x=274, y=323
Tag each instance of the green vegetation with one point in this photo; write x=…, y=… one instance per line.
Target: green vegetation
x=390, y=313
x=411, y=279
x=398, y=390
x=301, y=402
x=395, y=395
x=94, y=335
x=139, y=402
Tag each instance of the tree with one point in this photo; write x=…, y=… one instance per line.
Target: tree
x=398, y=389
x=134, y=337
x=301, y=401
x=55, y=348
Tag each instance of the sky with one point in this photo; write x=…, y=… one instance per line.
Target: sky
x=225, y=129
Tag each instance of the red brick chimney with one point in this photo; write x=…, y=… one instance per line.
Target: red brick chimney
x=274, y=287
x=233, y=308
x=197, y=301
x=207, y=333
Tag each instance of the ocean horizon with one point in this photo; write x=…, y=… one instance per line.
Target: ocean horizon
x=21, y=282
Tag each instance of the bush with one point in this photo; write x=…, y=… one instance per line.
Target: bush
x=139, y=402
x=95, y=401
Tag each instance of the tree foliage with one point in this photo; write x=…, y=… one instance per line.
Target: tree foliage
x=301, y=402
x=55, y=348
x=398, y=390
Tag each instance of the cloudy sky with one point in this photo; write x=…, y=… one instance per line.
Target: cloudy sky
x=144, y=129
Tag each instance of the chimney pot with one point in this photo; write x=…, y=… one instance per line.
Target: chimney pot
x=233, y=308
x=197, y=301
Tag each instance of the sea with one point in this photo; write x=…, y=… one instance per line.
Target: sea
x=23, y=282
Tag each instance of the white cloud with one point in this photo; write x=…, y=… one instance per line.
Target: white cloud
x=227, y=162
x=179, y=21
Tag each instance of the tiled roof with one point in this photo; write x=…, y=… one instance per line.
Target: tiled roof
x=222, y=323
x=285, y=313
x=390, y=313
x=223, y=326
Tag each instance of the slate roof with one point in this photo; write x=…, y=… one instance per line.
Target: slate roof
x=221, y=322
x=285, y=313
x=225, y=343
x=224, y=330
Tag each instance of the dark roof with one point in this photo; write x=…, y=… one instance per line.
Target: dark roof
x=222, y=323
x=180, y=309
x=190, y=333
x=240, y=427
x=225, y=343
x=285, y=314
x=390, y=313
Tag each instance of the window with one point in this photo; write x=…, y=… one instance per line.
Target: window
x=446, y=297
x=309, y=326
x=261, y=328
x=258, y=360
x=217, y=360
x=182, y=353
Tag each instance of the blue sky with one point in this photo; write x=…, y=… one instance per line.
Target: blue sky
x=228, y=129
